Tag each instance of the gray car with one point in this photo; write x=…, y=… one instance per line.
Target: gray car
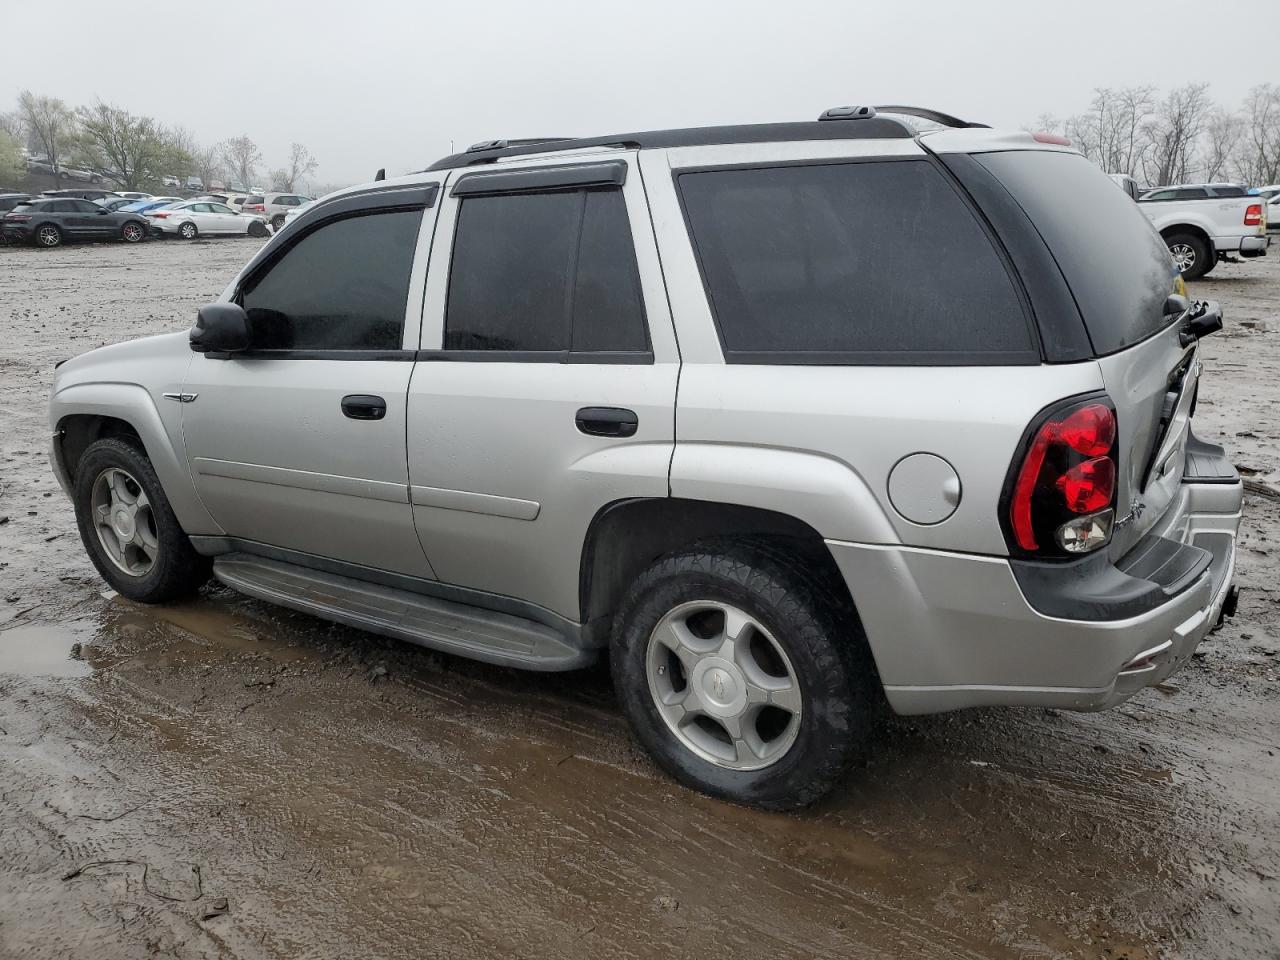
x=786, y=420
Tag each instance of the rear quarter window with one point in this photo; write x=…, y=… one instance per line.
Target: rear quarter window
x=1117, y=266
x=854, y=263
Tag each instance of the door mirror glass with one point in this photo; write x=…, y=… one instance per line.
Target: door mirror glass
x=102, y=210
x=221, y=329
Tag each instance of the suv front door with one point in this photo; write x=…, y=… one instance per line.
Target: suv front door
x=298, y=443
x=547, y=387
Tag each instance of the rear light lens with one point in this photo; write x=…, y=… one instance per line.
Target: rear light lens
x=1253, y=215
x=18, y=217
x=1061, y=496
x=158, y=214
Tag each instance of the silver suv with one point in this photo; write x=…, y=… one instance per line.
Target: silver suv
x=790, y=419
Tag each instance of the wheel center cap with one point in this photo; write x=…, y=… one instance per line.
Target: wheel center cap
x=721, y=686
x=122, y=523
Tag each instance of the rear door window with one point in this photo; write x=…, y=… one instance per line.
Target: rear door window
x=1117, y=267
x=868, y=262
x=545, y=273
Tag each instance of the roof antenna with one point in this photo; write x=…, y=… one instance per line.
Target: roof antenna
x=380, y=175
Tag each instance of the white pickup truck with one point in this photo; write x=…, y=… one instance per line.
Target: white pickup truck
x=1204, y=223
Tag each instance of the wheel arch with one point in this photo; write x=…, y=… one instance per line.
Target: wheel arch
x=626, y=536
x=1197, y=231
x=86, y=412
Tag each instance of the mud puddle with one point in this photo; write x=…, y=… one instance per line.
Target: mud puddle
x=44, y=651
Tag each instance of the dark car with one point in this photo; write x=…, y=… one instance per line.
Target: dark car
x=7, y=202
x=48, y=221
x=87, y=193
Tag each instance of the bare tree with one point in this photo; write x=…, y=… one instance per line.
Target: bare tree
x=1258, y=153
x=242, y=158
x=11, y=123
x=1110, y=132
x=301, y=164
x=50, y=124
x=12, y=167
x=207, y=163
x=1222, y=132
x=1172, y=132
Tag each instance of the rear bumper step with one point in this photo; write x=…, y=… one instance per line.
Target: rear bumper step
x=486, y=635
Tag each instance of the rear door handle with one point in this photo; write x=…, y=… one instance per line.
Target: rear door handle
x=607, y=421
x=363, y=406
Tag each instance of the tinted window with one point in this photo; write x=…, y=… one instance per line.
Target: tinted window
x=253, y=199
x=341, y=287
x=84, y=206
x=1117, y=266
x=1190, y=193
x=853, y=262
x=61, y=206
x=1227, y=191
x=1161, y=195
x=219, y=208
x=545, y=272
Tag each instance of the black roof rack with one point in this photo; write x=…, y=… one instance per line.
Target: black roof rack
x=869, y=126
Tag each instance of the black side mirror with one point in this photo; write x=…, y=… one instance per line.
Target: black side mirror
x=221, y=329
x=1176, y=305
x=102, y=211
x=1205, y=318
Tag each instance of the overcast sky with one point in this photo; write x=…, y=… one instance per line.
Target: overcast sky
x=373, y=83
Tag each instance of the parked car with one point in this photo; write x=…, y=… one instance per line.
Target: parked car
x=189, y=219
x=7, y=202
x=133, y=195
x=82, y=193
x=1270, y=190
x=296, y=212
x=1272, y=211
x=49, y=221
x=1204, y=223
x=932, y=440
x=194, y=183
x=155, y=203
x=115, y=203
x=274, y=206
x=170, y=181
x=236, y=201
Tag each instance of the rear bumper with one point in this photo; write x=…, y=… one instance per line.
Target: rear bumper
x=1255, y=246
x=951, y=630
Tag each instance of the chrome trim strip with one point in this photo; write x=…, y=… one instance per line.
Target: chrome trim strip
x=303, y=480
x=486, y=503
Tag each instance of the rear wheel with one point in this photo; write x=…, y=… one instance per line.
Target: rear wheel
x=132, y=232
x=47, y=235
x=744, y=674
x=188, y=231
x=128, y=527
x=1191, y=255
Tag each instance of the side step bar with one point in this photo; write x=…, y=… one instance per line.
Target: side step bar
x=440, y=624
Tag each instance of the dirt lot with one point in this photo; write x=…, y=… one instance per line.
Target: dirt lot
x=223, y=779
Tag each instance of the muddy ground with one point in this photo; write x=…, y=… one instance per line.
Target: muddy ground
x=224, y=779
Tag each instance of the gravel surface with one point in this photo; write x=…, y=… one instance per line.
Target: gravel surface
x=224, y=779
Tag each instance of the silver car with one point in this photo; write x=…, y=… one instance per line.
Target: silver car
x=193, y=218
x=787, y=420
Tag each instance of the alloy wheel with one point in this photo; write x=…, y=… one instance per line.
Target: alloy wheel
x=124, y=522
x=723, y=685
x=48, y=236
x=1184, y=255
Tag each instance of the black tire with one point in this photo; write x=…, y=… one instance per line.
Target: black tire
x=1197, y=258
x=820, y=635
x=258, y=229
x=177, y=569
x=133, y=232
x=277, y=222
x=188, y=231
x=47, y=235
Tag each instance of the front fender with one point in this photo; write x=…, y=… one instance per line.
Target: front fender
x=161, y=436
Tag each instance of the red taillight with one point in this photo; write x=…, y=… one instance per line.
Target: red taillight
x=18, y=217
x=1253, y=215
x=1069, y=470
x=158, y=214
x=1088, y=487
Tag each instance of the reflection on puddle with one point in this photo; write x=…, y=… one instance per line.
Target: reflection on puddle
x=43, y=651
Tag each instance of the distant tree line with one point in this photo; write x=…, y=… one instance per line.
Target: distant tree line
x=133, y=152
x=1180, y=137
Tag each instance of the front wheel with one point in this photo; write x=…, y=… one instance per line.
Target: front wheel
x=745, y=675
x=132, y=233
x=128, y=527
x=1191, y=255
x=277, y=222
x=188, y=231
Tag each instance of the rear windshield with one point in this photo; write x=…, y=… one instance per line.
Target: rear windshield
x=871, y=262
x=253, y=199
x=1118, y=268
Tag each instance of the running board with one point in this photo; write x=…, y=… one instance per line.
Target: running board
x=440, y=624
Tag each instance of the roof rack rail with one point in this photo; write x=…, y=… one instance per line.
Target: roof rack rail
x=924, y=113
x=504, y=144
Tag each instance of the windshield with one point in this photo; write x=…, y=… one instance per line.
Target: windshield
x=1116, y=264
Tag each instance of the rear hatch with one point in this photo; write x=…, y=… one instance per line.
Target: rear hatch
x=1120, y=275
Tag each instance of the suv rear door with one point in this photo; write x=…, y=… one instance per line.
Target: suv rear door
x=298, y=443
x=546, y=389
